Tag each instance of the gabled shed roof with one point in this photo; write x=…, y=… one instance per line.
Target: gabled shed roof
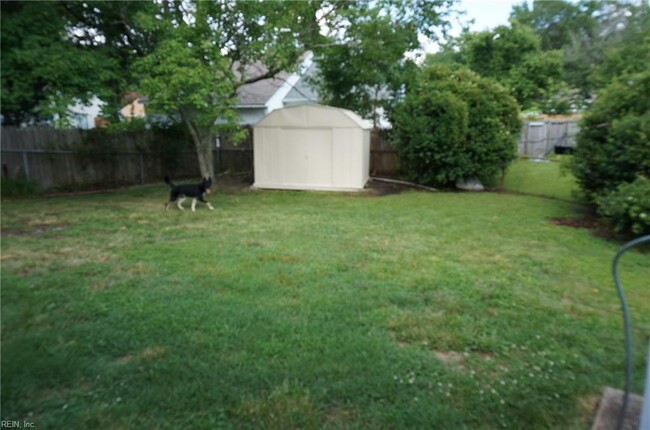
x=313, y=116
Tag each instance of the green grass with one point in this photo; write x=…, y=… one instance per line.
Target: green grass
x=545, y=179
x=310, y=310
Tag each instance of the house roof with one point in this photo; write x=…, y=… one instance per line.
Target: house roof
x=303, y=90
x=258, y=93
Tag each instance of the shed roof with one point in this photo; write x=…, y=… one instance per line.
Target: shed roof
x=313, y=116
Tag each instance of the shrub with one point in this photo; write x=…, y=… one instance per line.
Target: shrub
x=454, y=125
x=614, y=139
x=19, y=187
x=628, y=207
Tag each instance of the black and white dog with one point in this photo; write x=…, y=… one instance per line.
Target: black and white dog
x=195, y=191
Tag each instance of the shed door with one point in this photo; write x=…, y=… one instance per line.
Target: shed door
x=305, y=156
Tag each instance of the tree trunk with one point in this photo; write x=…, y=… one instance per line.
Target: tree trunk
x=202, y=138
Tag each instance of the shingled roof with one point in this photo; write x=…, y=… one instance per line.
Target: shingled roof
x=258, y=93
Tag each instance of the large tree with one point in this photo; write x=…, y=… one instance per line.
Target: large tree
x=43, y=70
x=599, y=40
x=364, y=66
x=189, y=57
x=557, y=22
x=194, y=70
x=512, y=55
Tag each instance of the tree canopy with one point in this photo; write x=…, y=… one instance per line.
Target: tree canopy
x=190, y=57
x=513, y=56
x=364, y=67
x=43, y=71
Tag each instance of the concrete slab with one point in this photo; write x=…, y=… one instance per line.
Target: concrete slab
x=609, y=409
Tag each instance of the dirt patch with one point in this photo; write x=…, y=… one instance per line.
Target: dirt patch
x=34, y=229
x=149, y=353
x=152, y=353
x=596, y=226
x=449, y=357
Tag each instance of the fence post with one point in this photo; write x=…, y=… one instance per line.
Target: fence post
x=26, y=165
x=525, y=154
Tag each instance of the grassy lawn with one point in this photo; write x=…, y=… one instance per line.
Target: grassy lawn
x=542, y=179
x=308, y=310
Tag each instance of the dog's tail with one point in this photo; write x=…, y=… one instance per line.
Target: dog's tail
x=169, y=181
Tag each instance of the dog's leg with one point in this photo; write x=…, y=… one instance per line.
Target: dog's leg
x=193, y=205
x=203, y=200
x=179, y=203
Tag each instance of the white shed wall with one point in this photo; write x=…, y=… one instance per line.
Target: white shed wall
x=311, y=147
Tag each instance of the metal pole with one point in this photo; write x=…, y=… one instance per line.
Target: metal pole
x=645, y=412
x=626, y=325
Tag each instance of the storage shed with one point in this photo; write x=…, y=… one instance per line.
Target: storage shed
x=312, y=147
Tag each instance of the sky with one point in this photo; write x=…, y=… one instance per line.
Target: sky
x=486, y=14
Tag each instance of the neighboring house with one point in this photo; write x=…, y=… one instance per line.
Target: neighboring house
x=85, y=116
x=285, y=89
x=135, y=109
x=261, y=97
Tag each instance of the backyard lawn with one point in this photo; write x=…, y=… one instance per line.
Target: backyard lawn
x=310, y=310
x=544, y=178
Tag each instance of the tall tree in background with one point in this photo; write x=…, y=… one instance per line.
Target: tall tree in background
x=557, y=22
x=599, y=40
x=363, y=65
x=626, y=50
x=189, y=57
x=43, y=70
x=511, y=55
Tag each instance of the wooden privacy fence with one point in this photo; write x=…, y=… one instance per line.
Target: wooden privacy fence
x=540, y=138
x=55, y=158
x=51, y=158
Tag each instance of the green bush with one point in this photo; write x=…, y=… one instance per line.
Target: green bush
x=614, y=139
x=628, y=207
x=454, y=125
x=19, y=187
